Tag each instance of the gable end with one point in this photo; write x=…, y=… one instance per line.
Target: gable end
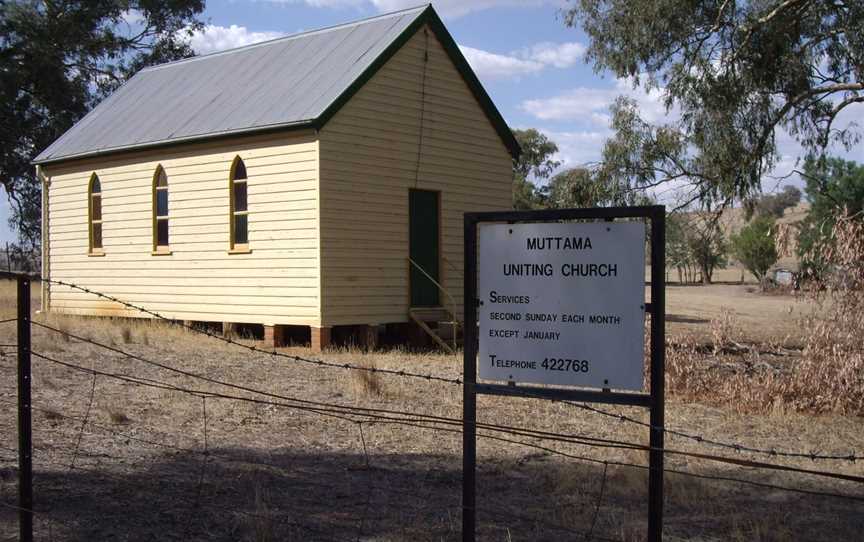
x=430, y=18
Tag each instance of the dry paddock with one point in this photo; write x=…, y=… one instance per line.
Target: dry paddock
x=137, y=469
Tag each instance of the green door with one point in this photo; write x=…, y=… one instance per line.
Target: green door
x=423, y=238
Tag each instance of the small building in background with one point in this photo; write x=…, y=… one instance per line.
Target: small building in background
x=783, y=277
x=317, y=180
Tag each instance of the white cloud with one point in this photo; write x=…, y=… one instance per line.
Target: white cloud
x=335, y=4
x=577, y=148
x=592, y=104
x=530, y=60
x=6, y=233
x=132, y=17
x=458, y=8
x=558, y=55
x=214, y=38
x=447, y=8
x=494, y=66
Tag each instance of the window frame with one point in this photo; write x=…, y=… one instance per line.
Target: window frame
x=233, y=246
x=93, y=250
x=157, y=218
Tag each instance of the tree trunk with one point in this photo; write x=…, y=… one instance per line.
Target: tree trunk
x=706, y=274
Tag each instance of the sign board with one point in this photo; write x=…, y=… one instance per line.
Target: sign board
x=562, y=303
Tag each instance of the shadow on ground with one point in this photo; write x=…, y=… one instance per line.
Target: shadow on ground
x=284, y=495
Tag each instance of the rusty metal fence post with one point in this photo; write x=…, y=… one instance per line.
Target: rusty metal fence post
x=25, y=429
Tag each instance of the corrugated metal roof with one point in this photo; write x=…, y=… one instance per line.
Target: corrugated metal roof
x=290, y=81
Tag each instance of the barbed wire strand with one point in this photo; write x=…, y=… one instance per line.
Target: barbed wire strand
x=522, y=391
x=294, y=399
x=121, y=481
x=636, y=465
x=679, y=472
x=813, y=455
x=851, y=457
x=204, y=395
x=606, y=463
x=676, y=471
x=86, y=418
x=36, y=513
x=599, y=502
x=253, y=348
x=391, y=415
x=53, y=413
x=737, y=480
x=370, y=486
x=204, y=459
x=318, y=485
x=526, y=392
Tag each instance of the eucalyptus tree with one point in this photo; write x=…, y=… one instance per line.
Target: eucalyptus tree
x=536, y=162
x=732, y=75
x=58, y=59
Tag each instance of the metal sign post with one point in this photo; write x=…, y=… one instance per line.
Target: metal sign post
x=545, y=259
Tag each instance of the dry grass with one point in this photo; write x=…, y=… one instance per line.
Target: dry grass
x=274, y=473
x=368, y=382
x=116, y=415
x=51, y=414
x=827, y=375
x=690, y=311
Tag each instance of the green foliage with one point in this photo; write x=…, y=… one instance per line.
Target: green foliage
x=834, y=188
x=694, y=245
x=773, y=205
x=581, y=187
x=58, y=60
x=678, y=254
x=536, y=160
x=732, y=74
x=755, y=248
x=574, y=187
x=535, y=163
x=707, y=245
x=525, y=196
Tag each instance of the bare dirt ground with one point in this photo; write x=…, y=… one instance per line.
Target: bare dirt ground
x=136, y=470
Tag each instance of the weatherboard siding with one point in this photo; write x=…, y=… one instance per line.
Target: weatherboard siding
x=369, y=161
x=277, y=283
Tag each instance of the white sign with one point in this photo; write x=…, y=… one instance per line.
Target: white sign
x=562, y=303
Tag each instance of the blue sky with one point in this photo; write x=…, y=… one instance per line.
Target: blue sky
x=529, y=61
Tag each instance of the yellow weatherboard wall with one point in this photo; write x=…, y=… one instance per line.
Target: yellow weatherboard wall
x=328, y=210
x=276, y=283
x=369, y=161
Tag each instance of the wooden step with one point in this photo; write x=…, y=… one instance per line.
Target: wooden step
x=431, y=332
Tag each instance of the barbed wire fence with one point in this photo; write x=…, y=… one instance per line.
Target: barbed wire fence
x=205, y=465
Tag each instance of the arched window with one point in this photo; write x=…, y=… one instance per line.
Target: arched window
x=160, y=211
x=239, y=206
x=94, y=214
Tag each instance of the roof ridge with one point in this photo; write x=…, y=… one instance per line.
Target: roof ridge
x=421, y=7
x=334, y=67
